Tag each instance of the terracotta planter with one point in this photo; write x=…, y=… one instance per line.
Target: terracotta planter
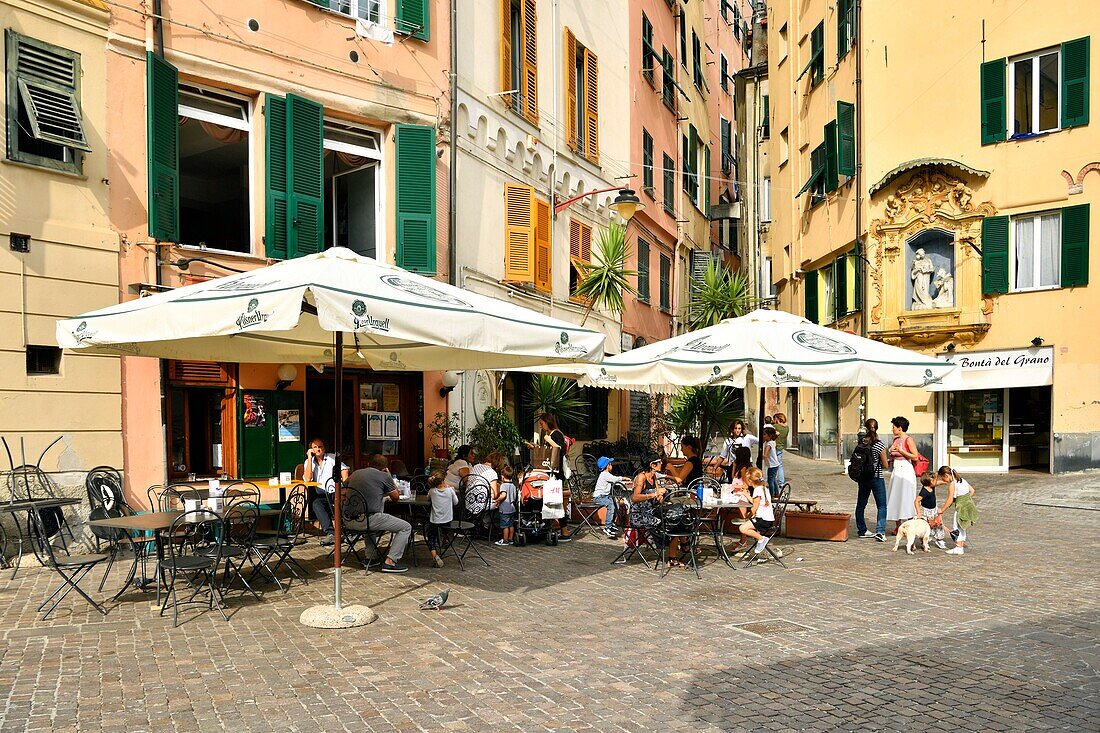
x=816, y=526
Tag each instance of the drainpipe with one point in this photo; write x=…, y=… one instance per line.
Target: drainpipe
x=452, y=177
x=857, y=10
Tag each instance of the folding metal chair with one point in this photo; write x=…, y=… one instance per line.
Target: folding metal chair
x=474, y=501
x=779, y=508
x=580, y=496
x=71, y=568
x=194, y=561
x=278, y=547
x=355, y=531
x=679, y=521
x=635, y=539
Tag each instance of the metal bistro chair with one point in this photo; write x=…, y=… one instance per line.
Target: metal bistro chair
x=779, y=508
x=194, y=562
x=679, y=521
x=635, y=539
x=580, y=495
x=474, y=501
x=241, y=492
x=104, y=486
x=355, y=531
x=240, y=519
x=28, y=483
x=278, y=547
x=710, y=518
x=71, y=568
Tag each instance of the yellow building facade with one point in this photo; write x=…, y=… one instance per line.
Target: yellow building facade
x=60, y=256
x=973, y=197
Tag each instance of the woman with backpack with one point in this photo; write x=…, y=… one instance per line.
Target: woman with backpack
x=902, y=491
x=865, y=468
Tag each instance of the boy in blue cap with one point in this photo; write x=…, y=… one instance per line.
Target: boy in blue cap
x=601, y=495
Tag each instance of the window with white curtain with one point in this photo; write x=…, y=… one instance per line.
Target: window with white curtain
x=1036, y=251
x=1034, y=91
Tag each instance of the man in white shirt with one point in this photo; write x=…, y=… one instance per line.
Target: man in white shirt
x=319, y=467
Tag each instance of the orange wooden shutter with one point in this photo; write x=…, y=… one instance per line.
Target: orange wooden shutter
x=530, y=63
x=198, y=372
x=580, y=241
x=591, y=107
x=543, y=249
x=519, y=234
x=570, y=90
x=506, y=48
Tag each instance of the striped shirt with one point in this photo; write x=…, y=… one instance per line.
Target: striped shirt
x=877, y=449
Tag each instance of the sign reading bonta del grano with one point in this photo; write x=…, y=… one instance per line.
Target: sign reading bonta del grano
x=1006, y=359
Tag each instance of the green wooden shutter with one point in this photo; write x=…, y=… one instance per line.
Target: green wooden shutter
x=1075, y=82
x=276, y=236
x=643, y=270
x=305, y=176
x=415, y=197
x=1075, y=245
x=846, y=138
x=855, y=272
x=840, y=287
x=414, y=17
x=810, y=287
x=163, y=132
x=844, y=21
x=994, y=120
x=994, y=255
x=817, y=45
x=831, y=178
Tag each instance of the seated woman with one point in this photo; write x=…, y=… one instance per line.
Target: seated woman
x=647, y=495
x=742, y=462
x=460, y=467
x=692, y=468
x=763, y=515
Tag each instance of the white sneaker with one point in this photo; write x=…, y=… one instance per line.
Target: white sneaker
x=956, y=551
x=761, y=544
x=940, y=544
x=868, y=534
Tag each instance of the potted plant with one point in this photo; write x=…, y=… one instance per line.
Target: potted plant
x=495, y=432
x=446, y=433
x=816, y=525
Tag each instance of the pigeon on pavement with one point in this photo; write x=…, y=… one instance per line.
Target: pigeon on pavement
x=435, y=602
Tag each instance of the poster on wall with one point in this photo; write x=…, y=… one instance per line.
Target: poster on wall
x=374, y=425
x=290, y=427
x=255, y=413
x=383, y=425
x=391, y=397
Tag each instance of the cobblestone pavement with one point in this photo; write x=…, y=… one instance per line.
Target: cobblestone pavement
x=1003, y=638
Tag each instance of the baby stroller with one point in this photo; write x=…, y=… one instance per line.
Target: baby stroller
x=536, y=515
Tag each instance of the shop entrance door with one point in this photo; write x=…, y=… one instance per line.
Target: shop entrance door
x=976, y=435
x=1029, y=428
x=828, y=424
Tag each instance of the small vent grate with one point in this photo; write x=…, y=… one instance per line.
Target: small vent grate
x=771, y=627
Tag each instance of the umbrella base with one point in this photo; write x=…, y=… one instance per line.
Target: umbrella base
x=330, y=617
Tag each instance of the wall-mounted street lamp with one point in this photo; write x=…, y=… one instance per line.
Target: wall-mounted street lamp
x=626, y=204
x=1037, y=341
x=450, y=381
x=287, y=374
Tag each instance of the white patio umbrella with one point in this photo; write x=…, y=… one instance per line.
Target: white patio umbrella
x=782, y=350
x=337, y=308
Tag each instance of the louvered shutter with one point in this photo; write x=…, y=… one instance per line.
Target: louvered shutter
x=994, y=119
x=855, y=284
x=543, y=249
x=415, y=205
x=995, y=255
x=831, y=177
x=846, y=138
x=1075, y=82
x=48, y=82
x=164, y=148
x=580, y=241
x=530, y=63
x=519, y=233
x=570, y=90
x=413, y=17
x=666, y=283
x=700, y=261
x=198, y=372
x=643, y=270
x=1075, y=245
x=840, y=287
x=506, y=41
x=810, y=295
x=305, y=142
x=276, y=236
x=591, y=107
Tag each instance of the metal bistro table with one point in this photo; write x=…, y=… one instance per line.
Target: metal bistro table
x=26, y=505
x=156, y=523
x=718, y=522
x=416, y=504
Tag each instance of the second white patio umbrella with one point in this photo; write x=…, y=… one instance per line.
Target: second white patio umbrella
x=337, y=308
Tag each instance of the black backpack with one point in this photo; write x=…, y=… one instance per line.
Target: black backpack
x=861, y=466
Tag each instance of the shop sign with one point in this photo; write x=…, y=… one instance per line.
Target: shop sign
x=1008, y=359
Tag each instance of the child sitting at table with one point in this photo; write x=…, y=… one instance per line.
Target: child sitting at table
x=444, y=500
x=763, y=515
x=506, y=505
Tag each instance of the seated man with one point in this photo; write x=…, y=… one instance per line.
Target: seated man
x=319, y=467
x=375, y=484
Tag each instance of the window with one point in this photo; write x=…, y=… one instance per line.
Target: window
x=649, y=56
x=368, y=10
x=826, y=295
x=214, y=167
x=580, y=252
x=727, y=234
x=527, y=249
x=766, y=199
x=845, y=26
x=200, y=401
x=767, y=287
x=725, y=69
x=669, y=194
x=353, y=186
x=737, y=23
x=815, y=184
x=43, y=360
x=784, y=146
x=727, y=145
x=1033, y=94
x=816, y=64
x=1036, y=251
x=647, y=162
x=765, y=117
x=666, y=284
x=782, y=43
x=582, y=99
x=643, y=270
x=724, y=9
x=693, y=157
x=519, y=57
x=697, y=61
x=668, y=81
x=683, y=40
x=45, y=121
x=846, y=138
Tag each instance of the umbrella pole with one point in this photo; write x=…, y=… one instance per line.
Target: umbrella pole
x=336, y=615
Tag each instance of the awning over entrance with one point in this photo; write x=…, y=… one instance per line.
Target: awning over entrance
x=1032, y=367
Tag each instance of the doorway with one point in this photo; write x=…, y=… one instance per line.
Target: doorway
x=828, y=423
x=1029, y=428
x=998, y=429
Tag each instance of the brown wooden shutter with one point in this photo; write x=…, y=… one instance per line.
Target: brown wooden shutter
x=591, y=107
x=198, y=372
x=543, y=249
x=530, y=83
x=570, y=90
x=506, y=48
x=519, y=233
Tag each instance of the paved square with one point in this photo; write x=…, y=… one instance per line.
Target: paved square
x=853, y=637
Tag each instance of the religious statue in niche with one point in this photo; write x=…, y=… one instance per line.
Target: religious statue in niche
x=931, y=285
x=945, y=289
x=921, y=274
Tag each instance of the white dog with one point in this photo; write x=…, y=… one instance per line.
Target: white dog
x=913, y=530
